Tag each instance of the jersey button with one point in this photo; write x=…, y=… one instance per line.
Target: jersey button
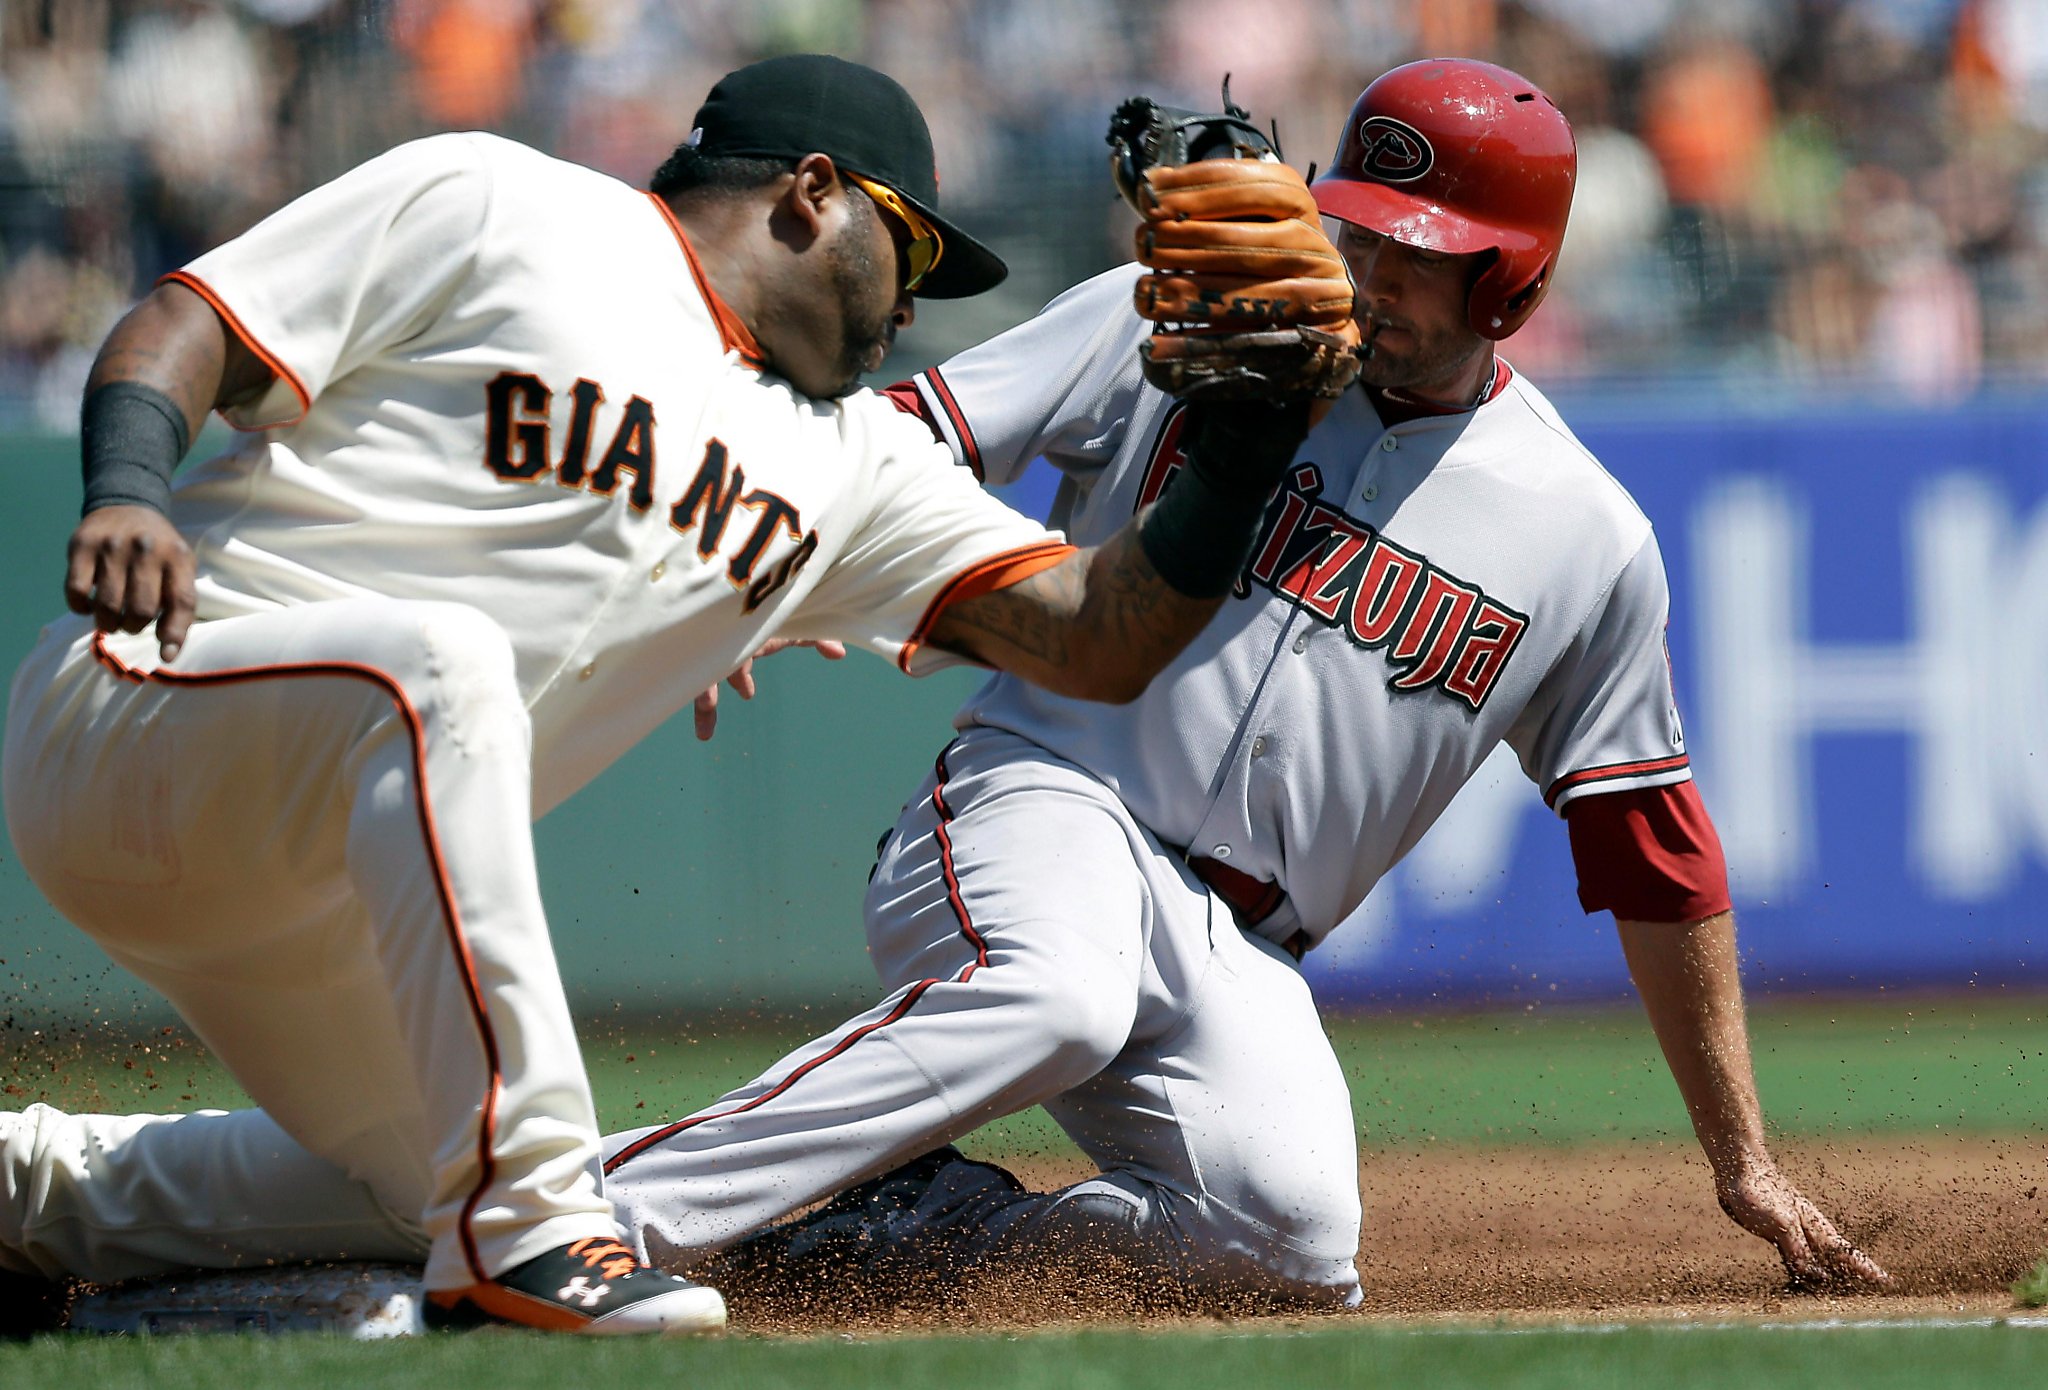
x=1368, y=492
x=1300, y=643
x=1220, y=852
x=587, y=672
x=1259, y=746
x=660, y=568
x=1389, y=444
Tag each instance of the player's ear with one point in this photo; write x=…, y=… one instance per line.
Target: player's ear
x=816, y=185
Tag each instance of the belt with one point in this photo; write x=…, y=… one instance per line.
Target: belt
x=1251, y=900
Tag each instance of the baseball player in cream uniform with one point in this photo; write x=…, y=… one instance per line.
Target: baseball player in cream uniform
x=1101, y=909
x=520, y=482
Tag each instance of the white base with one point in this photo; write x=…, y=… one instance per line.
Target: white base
x=361, y=1301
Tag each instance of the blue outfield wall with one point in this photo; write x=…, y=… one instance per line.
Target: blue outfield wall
x=1860, y=632
x=1859, y=628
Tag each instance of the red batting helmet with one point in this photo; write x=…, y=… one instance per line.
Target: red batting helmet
x=1456, y=156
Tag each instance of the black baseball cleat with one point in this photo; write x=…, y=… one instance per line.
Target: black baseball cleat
x=595, y=1285
x=902, y=1238
x=29, y=1305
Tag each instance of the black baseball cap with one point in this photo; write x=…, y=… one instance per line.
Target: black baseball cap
x=804, y=103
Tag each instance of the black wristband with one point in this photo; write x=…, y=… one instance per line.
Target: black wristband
x=1197, y=538
x=1242, y=447
x=1200, y=533
x=131, y=438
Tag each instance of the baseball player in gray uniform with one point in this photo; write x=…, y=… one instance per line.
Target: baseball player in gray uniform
x=532, y=456
x=1101, y=909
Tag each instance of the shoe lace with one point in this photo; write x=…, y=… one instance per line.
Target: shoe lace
x=614, y=1260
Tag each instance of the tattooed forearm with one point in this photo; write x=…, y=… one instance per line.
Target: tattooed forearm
x=1029, y=619
x=1142, y=623
x=1099, y=625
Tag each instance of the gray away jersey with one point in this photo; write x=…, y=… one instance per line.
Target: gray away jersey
x=1418, y=594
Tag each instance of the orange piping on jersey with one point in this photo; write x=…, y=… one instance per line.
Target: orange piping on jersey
x=969, y=449
x=451, y=920
x=984, y=577
x=240, y=330
x=731, y=331
x=1611, y=772
x=916, y=992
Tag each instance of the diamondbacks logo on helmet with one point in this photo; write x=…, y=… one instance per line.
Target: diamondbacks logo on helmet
x=1461, y=157
x=1393, y=151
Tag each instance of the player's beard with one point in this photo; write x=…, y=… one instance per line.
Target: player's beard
x=1417, y=361
x=867, y=328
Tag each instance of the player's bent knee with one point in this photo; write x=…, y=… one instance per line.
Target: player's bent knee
x=454, y=666
x=465, y=651
x=1211, y=1254
x=1309, y=1214
x=1303, y=1233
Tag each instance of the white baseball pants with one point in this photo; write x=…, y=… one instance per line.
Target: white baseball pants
x=1044, y=949
x=312, y=834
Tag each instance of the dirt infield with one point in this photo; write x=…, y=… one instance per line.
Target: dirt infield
x=1600, y=1230
x=1599, y=1234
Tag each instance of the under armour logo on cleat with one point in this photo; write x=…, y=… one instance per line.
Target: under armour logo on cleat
x=580, y=1287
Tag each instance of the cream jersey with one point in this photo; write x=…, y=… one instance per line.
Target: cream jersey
x=1420, y=592
x=503, y=380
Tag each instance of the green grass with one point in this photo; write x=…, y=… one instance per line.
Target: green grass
x=1550, y=1076
x=2030, y=1290
x=1572, y=1076
x=1331, y=1354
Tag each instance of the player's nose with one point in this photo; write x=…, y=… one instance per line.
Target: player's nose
x=1377, y=276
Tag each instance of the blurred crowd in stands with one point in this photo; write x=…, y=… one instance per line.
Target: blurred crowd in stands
x=1821, y=195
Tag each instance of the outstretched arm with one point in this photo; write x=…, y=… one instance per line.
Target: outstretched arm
x=167, y=363
x=1687, y=976
x=1098, y=625
x=1101, y=623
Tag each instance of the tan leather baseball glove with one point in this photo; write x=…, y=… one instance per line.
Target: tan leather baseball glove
x=1249, y=299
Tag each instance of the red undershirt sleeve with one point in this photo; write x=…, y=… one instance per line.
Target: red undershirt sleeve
x=1648, y=854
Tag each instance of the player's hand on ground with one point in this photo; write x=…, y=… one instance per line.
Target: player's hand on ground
x=129, y=567
x=1818, y=1258
x=742, y=681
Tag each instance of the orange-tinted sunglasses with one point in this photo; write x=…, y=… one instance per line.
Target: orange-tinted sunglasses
x=925, y=244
